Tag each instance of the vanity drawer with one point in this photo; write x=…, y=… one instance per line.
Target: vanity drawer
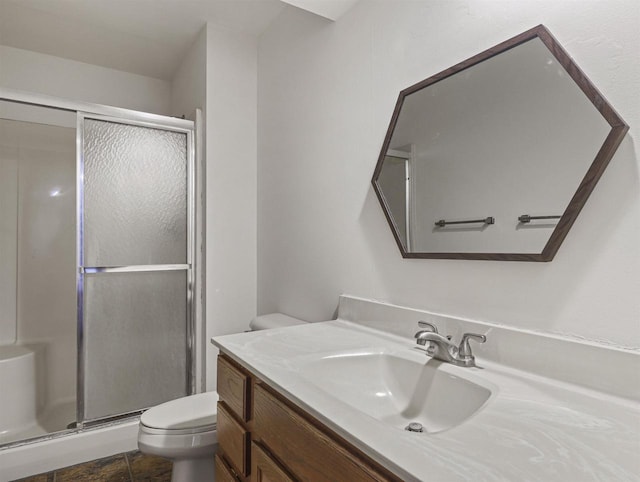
x=224, y=473
x=233, y=388
x=310, y=453
x=264, y=468
x=233, y=439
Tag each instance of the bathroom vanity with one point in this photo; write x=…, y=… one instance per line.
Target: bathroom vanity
x=264, y=436
x=332, y=400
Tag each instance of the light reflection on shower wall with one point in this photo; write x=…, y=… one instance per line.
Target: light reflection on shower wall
x=37, y=185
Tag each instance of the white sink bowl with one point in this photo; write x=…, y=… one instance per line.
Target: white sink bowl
x=400, y=388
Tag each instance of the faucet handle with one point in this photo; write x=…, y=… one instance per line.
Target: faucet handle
x=426, y=324
x=464, y=350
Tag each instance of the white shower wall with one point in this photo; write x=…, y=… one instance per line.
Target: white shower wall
x=40, y=161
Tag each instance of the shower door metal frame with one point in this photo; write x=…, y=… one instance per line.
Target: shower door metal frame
x=121, y=114
x=81, y=270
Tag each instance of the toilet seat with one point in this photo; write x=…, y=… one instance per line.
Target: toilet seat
x=187, y=415
x=183, y=431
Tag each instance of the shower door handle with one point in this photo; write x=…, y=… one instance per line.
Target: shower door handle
x=133, y=268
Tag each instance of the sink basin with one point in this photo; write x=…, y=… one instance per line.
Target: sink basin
x=399, y=389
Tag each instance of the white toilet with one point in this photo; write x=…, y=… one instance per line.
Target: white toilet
x=184, y=430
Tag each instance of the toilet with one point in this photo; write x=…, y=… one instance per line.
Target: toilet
x=184, y=430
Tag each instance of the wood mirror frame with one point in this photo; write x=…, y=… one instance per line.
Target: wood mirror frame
x=586, y=186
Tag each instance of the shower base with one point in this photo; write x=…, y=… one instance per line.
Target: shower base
x=54, y=418
x=68, y=448
x=26, y=413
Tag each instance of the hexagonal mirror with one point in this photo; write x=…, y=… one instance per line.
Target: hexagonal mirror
x=495, y=157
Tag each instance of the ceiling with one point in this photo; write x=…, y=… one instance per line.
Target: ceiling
x=146, y=37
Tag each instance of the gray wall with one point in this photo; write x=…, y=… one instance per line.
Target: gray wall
x=326, y=92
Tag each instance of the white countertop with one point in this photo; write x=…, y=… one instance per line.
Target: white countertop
x=532, y=429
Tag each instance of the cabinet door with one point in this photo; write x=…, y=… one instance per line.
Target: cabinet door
x=233, y=388
x=223, y=471
x=264, y=468
x=233, y=440
x=309, y=452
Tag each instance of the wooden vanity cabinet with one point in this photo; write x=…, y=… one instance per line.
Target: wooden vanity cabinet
x=233, y=460
x=224, y=472
x=233, y=388
x=263, y=437
x=266, y=469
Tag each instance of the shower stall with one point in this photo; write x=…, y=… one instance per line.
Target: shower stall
x=96, y=265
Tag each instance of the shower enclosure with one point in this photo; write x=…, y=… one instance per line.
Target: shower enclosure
x=96, y=265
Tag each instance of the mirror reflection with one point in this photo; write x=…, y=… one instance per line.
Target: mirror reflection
x=487, y=161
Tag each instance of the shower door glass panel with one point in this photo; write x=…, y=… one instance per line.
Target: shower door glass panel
x=135, y=196
x=37, y=272
x=135, y=267
x=135, y=341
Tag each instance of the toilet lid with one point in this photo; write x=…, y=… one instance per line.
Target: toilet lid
x=189, y=412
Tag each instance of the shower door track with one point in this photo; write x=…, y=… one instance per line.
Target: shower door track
x=88, y=427
x=51, y=102
x=143, y=119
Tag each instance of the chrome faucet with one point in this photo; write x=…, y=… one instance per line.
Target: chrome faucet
x=441, y=348
x=420, y=336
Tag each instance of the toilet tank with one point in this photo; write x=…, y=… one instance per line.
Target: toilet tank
x=273, y=320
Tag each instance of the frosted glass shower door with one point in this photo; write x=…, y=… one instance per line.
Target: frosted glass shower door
x=135, y=273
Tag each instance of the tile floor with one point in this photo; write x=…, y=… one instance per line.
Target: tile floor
x=127, y=467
